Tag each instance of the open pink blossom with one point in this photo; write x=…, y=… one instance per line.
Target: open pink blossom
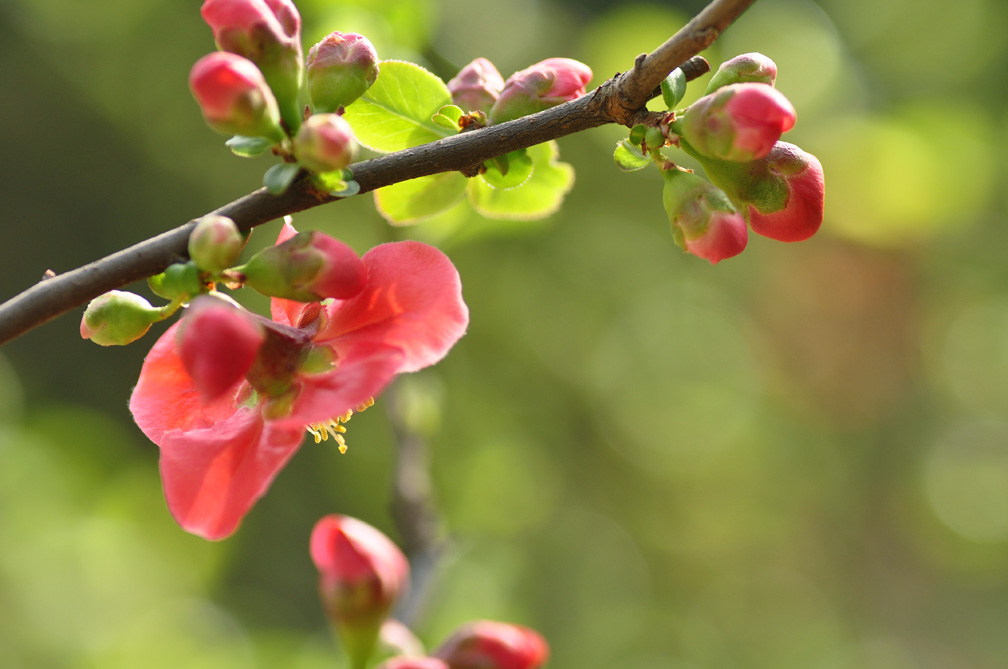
x=317, y=363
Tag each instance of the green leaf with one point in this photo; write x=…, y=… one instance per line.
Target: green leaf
x=395, y=113
x=346, y=189
x=629, y=158
x=448, y=117
x=248, y=147
x=673, y=88
x=539, y=196
x=279, y=177
x=410, y=201
x=508, y=171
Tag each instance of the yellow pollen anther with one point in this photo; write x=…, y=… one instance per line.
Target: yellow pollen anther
x=335, y=427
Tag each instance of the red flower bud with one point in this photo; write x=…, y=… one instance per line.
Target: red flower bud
x=476, y=86
x=782, y=194
x=485, y=644
x=704, y=221
x=403, y=662
x=267, y=32
x=748, y=67
x=740, y=122
x=325, y=142
x=541, y=86
x=340, y=69
x=117, y=318
x=234, y=97
x=215, y=243
x=217, y=343
x=310, y=266
x=361, y=573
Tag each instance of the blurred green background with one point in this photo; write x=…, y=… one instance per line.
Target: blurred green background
x=797, y=458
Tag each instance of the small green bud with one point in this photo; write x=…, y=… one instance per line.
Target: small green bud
x=179, y=282
x=215, y=243
x=117, y=318
x=310, y=266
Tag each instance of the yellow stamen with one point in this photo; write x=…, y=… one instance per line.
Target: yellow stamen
x=335, y=427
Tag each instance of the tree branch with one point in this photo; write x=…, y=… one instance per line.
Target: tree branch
x=619, y=100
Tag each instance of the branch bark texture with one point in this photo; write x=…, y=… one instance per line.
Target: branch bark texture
x=618, y=100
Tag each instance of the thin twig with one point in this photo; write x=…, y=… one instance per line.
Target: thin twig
x=619, y=100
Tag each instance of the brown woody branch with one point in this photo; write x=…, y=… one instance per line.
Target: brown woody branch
x=619, y=100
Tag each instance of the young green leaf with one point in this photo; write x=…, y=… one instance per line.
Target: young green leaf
x=539, y=196
x=410, y=201
x=279, y=177
x=517, y=168
x=629, y=158
x=637, y=133
x=248, y=147
x=673, y=88
x=396, y=112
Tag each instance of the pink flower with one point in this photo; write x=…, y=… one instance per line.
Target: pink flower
x=541, y=86
x=782, y=194
x=317, y=363
x=704, y=221
x=267, y=32
x=739, y=122
x=234, y=96
x=361, y=574
x=476, y=86
x=485, y=644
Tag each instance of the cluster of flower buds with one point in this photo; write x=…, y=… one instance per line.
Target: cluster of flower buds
x=479, y=87
x=756, y=181
x=362, y=573
x=251, y=87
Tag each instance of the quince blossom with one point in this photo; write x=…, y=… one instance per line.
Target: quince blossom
x=317, y=363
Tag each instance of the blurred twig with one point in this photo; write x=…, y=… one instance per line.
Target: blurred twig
x=413, y=507
x=618, y=100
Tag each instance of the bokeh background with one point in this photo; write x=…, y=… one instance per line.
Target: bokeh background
x=797, y=458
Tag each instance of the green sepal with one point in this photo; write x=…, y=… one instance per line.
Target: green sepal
x=673, y=88
x=249, y=147
x=629, y=157
x=509, y=170
x=278, y=178
x=179, y=281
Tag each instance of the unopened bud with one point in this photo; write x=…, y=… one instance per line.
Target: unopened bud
x=361, y=573
x=405, y=662
x=267, y=32
x=217, y=343
x=234, y=96
x=747, y=67
x=782, y=194
x=310, y=266
x=485, y=644
x=740, y=122
x=215, y=243
x=541, y=86
x=476, y=86
x=704, y=221
x=179, y=281
x=117, y=318
x=340, y=69
x=325, y=143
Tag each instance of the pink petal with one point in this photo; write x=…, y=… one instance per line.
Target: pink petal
x=213, y=476
x=412, y=301
x=362, y=372
x=165, y=397
x=287, y=312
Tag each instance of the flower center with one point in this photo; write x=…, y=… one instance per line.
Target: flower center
x=336, y=427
